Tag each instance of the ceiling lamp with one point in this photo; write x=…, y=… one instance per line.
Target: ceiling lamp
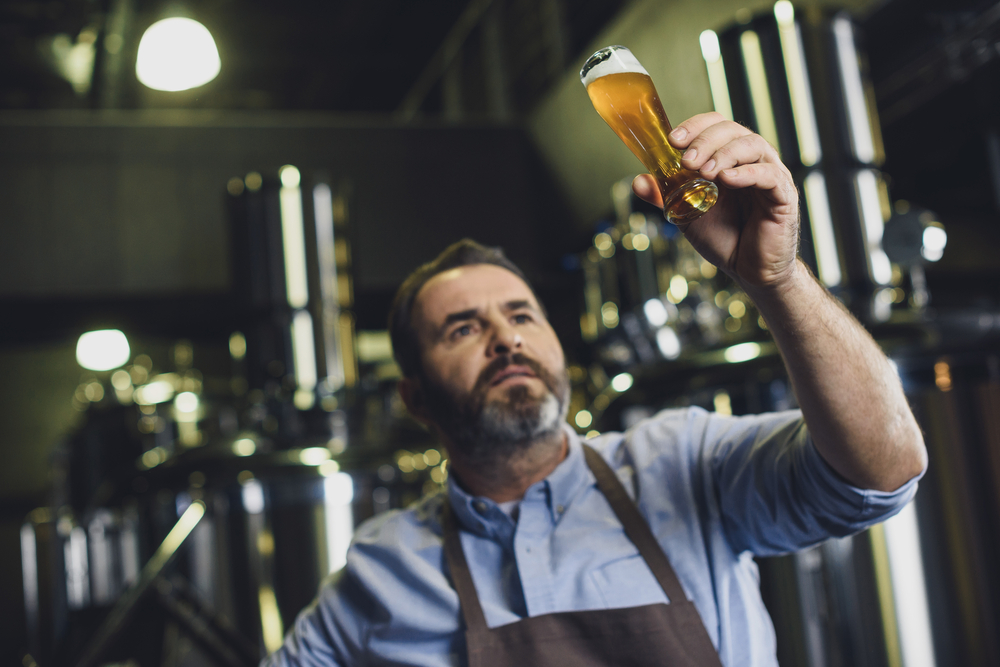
x=176, y=54
x=102, y=350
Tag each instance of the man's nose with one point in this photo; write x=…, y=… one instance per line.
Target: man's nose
x=505, y=339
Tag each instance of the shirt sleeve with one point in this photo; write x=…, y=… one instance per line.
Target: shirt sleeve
x=390, y=602
x=776, y=493
x=326, y=633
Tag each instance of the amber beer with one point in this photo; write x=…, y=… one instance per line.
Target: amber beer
x=626, y=99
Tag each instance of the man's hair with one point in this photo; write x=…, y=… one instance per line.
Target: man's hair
x=405, y=343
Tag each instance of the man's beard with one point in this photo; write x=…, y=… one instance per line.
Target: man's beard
x=486, y=432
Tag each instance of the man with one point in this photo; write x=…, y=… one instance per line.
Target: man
x=536, y=555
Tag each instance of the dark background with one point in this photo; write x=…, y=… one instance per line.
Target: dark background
x=112, y=199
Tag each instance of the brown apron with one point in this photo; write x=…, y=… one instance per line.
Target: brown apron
x=669, y=635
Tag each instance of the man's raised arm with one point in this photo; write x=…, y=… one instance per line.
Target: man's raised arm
x=851, y=398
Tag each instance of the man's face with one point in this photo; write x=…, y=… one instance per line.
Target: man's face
x=494, y=375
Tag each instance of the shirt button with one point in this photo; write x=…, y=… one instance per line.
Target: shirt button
x=560, y=509
x=480, y=506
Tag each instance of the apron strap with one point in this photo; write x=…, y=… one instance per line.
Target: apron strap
x=461, y=578
x=636, y=527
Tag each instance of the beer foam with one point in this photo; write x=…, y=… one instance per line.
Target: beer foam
x=616, y=60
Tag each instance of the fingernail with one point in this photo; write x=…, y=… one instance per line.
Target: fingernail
x=690, y=154
x=679, y=133
x=708, y=166
x=729, y=172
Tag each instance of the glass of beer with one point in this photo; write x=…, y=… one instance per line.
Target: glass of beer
x=623, y=94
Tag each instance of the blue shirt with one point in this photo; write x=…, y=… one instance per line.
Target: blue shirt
x=715, y=490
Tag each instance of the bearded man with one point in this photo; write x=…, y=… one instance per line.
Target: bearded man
x=630, y=548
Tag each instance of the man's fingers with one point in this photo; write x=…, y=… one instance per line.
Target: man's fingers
x=682, y=135
x=726, y=145
x=644, y=187
x=771, y=178
x=729, y=153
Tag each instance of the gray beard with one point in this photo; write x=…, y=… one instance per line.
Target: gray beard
x=501, y=429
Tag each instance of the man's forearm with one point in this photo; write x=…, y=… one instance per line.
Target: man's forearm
x=851, y=398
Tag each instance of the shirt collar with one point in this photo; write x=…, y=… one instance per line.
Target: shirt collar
x=482, y=516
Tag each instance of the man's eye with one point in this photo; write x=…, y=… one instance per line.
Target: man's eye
x=522, y=318
x=461, y=331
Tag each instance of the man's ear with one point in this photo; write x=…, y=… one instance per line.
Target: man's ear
x=413, y=398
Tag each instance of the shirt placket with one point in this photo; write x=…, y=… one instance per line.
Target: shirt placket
x=531, y=550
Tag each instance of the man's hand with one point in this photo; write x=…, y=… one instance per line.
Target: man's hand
x=752, y=233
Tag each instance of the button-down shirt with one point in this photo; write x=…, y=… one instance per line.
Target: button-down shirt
x=715, y=490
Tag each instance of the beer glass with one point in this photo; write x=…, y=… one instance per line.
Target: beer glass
x=624, y=96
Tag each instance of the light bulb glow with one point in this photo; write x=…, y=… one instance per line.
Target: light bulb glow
x=186, y=401
x=803, y=113
x=935, y=239
x=760, y=95
x=338, y=493
x=159, y=391
x=177, y=54
x=656, y=313
x=244, y=447
x=712, y=54
x=870, y=209
x=784, y=12
x=678, y=288
x=102, y=350
x=853, y=94
x=621, y=382
x=668, y=343
x=709, y=42
x=313, y=456
x=742, y=352
x=909, y=588
x=293, y=237
x=290, y=176
x=821, y=225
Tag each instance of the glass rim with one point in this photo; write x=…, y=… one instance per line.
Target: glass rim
x=599, y=57
x=615, y=59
